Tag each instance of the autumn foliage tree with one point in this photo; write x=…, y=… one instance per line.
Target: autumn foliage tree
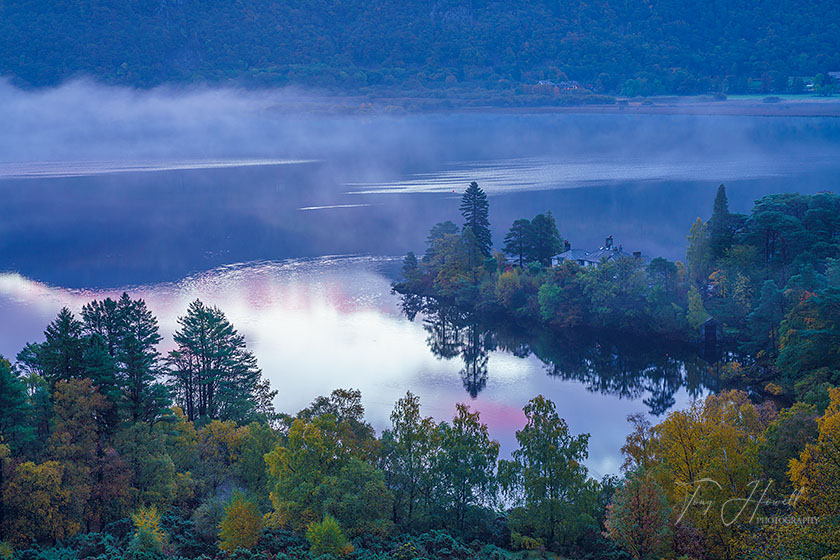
x=35, y=504
x=149, y=539
x=324, y=469
x=241, y=525
x=639, y=517
x=817, y=474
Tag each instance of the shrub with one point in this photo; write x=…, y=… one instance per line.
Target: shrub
x=182, y=535
x=95, y=545
x=207, y=519
x=149, y=539
x=524, y=542
x=39, y=553
x=275, y=540
x=493, y=552
x=440, y=544
x=327, y=537
x=406, y=551
x=241, y=525
x=120, y=530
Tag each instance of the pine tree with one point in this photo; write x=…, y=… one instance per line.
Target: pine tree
x=720, y=225
x=129, y=333
x=101, y=369
x=476, y=210
x=139, y=359
x=15, y=428
x=214, y=375
x=545, y=241
x=61, y=356
x=518, y=240
x=101, y=317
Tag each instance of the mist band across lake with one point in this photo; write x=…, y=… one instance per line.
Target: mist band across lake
x=372, y=186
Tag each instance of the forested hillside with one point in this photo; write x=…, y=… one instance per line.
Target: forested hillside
x=634, y=46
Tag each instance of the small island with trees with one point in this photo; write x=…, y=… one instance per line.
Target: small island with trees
x=765, y=286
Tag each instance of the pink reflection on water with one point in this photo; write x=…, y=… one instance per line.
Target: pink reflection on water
x=329, y=323
x=500, y=417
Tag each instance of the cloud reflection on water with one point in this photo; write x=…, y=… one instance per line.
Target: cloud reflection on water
x=320, y=324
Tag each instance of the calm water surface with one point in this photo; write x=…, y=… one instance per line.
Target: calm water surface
x=297, y=237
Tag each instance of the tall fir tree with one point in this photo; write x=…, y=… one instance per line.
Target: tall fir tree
x=139, y=359
x=214, y=376
x=129, y=332
x=720, y=225
x=518, y=240
x=476, y=211
x=545, y=238
x=15, y=427
x=61, y=356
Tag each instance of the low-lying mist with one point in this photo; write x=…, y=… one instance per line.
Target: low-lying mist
x=108, y=186
x=84, y=121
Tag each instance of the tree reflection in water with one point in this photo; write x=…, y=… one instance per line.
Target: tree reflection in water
x=652, y=371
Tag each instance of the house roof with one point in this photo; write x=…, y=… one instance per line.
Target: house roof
x=573, y=255
x=594, y=257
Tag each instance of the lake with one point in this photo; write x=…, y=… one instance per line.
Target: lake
x=294, y=224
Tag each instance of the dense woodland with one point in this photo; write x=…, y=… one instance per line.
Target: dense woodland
x=89, y=474
x=632, y=47
x=111, y=450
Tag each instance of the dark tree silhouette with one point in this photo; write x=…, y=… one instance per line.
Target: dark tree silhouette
x=476, y=210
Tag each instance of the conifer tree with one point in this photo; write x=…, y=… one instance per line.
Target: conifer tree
x=128, y=331
x=214, y=375
x=61, y=356
x=545, y=239
x=518, y=240
x=476, y=210
x=720, y=225
x=15, y=428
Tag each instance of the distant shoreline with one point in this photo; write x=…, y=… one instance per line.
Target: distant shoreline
x=737, y=107
x=670, y=105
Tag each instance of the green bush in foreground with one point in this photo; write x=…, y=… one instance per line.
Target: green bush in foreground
x=327, y=537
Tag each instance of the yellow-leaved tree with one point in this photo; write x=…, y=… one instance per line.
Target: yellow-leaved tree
x=705, y=458
x=149, y=539
x=815, y=528
x=241, y=525
x=34, y=502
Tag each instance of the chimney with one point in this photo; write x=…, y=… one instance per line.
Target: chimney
x=608, y=242
x=567, y=246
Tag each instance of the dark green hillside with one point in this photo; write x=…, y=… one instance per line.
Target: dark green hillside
x=662, y=46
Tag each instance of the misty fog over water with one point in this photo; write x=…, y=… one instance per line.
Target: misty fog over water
x=106, y=187
x=252, y=201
